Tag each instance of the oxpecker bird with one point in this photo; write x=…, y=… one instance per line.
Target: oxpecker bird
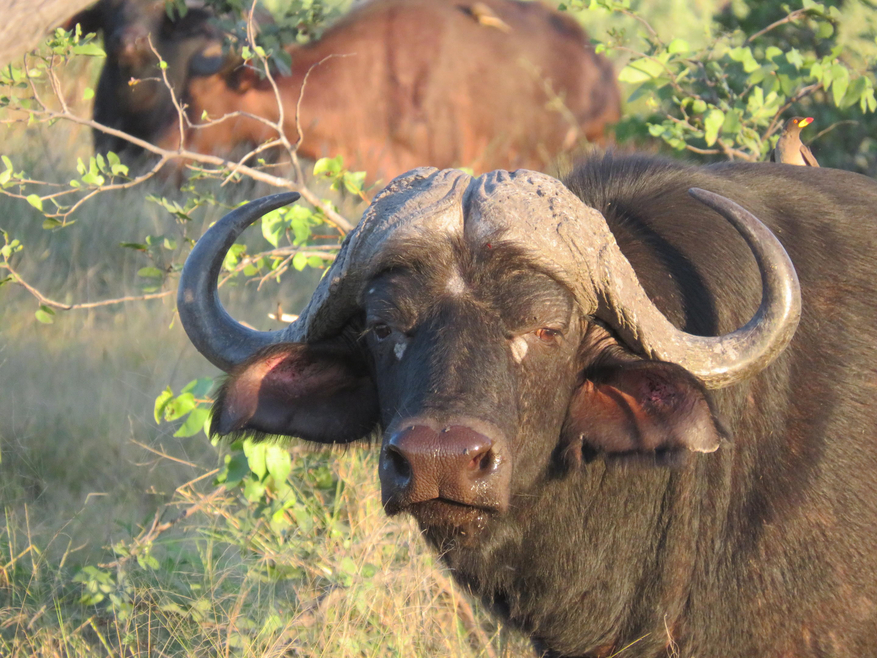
x=789, y=148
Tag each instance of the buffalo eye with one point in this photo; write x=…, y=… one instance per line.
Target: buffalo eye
x=381, y=331
x=547, y=335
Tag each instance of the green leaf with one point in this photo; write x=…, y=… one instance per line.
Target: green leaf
x=150, y=273
x=353, y=181
x=236, y=469
x=273, y=226
x=116, y=166
x=641, y=70
x=772, y=52
x=179, y=406
x=254, y=490
x=91, y=49
x=161, y=402
x=194, y=423
x=745, y=57
x=712, y=122
x=300, y=220
x=278, y=462
x=678, y=46
x=88, y=94
x=299, y=261
x=824, y=30
x=255, y=453
x=44, y=314
x=841, y=80
x=328, y=166
x=133, y=245
x=93, y=178
x=35, y=201
x=233, y=256
x=794, y=58
x=732, y=124
x=50, y=223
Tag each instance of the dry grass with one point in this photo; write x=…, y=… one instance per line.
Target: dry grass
x=84, y=467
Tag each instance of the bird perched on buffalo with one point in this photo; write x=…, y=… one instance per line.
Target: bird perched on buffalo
x=789, y=148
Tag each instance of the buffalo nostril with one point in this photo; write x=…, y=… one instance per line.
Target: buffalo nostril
x=399, y=464
x=481, y=462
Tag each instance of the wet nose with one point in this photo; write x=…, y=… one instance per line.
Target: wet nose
x=455, y=463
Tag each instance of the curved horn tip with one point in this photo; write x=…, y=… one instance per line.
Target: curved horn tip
x=221, y=339
x=702, y=195
x=281, y=199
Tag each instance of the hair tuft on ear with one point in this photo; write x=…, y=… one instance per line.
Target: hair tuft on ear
x=651, y=409
x=318, y=392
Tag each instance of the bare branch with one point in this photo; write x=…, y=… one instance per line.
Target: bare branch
x=795, y=15
x=150, y=534
x=16, y=278
x=332, y=217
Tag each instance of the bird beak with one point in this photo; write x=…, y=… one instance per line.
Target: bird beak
x=805, y=122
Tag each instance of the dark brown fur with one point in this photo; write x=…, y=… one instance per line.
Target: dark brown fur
x=604, y=546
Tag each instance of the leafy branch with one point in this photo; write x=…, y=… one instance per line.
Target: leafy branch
x=729, y=97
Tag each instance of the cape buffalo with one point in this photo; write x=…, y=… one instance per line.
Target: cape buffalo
x=592, y=396
x=131, y=95
x=399, y=83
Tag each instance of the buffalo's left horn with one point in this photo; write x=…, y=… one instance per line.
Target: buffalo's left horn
x=721, y=360
x=219, y=337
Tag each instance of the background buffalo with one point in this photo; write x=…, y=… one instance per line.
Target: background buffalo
x=392, y=85
x=131, y=95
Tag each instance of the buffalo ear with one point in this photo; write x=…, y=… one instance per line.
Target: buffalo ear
x=641, y=407
x=318, y=392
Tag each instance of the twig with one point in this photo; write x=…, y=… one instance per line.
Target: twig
x=163, y=454
x=332, y=217
x=150, y=534
x=694, y=149
x=832, y=127
x=16, y=278
x=795, y=15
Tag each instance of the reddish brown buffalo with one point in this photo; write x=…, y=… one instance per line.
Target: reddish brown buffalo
x=491, y=84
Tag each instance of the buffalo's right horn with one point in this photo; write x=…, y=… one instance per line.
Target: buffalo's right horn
x=219, y=337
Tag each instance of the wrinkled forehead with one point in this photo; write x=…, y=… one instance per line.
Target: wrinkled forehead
x=427, y=210
x=431, y=209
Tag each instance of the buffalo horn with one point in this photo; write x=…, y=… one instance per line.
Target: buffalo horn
x=723, y=360
x=215, y=334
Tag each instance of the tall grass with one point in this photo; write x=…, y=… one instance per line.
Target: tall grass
x=86, y=474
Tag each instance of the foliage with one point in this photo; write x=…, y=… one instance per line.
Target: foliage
x=730, y=97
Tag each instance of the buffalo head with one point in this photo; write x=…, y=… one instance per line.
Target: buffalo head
x=492, y=331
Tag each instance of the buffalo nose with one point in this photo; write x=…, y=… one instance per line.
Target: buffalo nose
x=453, y=463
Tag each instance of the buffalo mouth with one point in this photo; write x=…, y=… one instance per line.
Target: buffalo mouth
x=448, y=516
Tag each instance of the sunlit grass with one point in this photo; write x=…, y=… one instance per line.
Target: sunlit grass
x=85, y=470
